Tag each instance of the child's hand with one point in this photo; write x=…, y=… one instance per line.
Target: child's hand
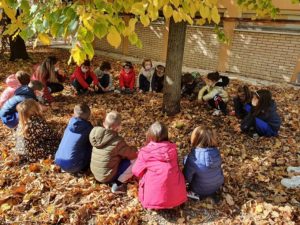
x=96, y=88
x=90, y=89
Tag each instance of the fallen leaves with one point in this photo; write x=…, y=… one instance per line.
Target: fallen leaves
x=252, y=193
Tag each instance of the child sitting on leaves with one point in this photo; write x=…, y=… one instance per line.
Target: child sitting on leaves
x=190, y=86
x=157, y=83
x=104, y=77
x=13, y=82
x=214, y=93
x=144, y=79
x=202, y=166
x=127, y=78
x=84, y=79
x=262, y=119
x=35, y=139
x=74, y=152
x=8, y=112
x=111, y=160
x=161, y=184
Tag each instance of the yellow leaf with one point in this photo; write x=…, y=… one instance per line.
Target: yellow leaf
x=177, y=17
x=175, y=3
x=131, y=24
x=215, y=15
x=168, y=11
x=88, y=24
x=145, y=20
x=5, y=207
x=259, y=209
x=44, y=38
x=204, y=11
x=114, y=37
x=201, y=22
x=78, y=55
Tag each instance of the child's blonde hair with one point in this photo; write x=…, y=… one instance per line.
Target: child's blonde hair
x=26, y=109
x=157, y=132
x=112, y=120
x=204, y=137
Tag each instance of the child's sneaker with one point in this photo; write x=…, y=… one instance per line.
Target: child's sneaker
x=119, y=189
x=193, y=195
x=117, y=91
x=217, y=112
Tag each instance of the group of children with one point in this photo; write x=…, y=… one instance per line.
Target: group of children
x=101, y=148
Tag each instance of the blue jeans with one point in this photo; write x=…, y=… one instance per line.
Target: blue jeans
x=124, y=164
x=11, y=120
x=263, y=128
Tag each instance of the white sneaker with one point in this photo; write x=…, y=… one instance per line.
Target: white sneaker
x=193, y=195
x=217, y=112
x=117, y=91
x=292, y=169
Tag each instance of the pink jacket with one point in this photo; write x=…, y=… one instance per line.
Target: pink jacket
x=12, y=85
x=162, y=184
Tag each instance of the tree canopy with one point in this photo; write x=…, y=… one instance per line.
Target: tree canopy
x=86, y=20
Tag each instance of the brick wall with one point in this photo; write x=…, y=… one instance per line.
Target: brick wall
x=152, y=39
x=264, y=55
x=269, y=56
x=201, y=48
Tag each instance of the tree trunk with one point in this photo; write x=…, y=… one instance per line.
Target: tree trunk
x=17, y=49
x=172, y=83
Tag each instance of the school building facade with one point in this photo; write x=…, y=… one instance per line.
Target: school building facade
x=263, y=49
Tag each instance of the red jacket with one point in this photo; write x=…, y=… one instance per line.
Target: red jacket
x=161, y=184
x=81, y=77
x=127, y=79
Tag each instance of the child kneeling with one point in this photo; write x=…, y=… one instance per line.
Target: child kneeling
x=162, y=184
x=202, y=167
x=214, y=94
x=74, y=152
x=110, y=161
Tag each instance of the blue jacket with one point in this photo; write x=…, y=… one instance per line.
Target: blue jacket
x=22, y=93
x=202, y=170
x=74, y=151
x=271, y=117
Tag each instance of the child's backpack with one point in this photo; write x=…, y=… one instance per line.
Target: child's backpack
x=223, y=82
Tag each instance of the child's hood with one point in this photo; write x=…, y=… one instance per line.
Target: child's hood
x=78, y=125
x=222, y=82
x=100, y=137
x=25, y=91
x=12, y=81
x=159, y=151
x=210, y=157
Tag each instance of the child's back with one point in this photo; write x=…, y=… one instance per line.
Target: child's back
x=108, y=150
x=74, y=152
x=162, y=183
x=204, y=166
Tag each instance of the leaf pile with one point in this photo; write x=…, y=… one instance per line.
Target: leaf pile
x=40, y=193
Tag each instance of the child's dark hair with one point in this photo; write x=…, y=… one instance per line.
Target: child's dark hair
x=128, y=64
x=146, y=60
x=204, y=137
x=105, y=66
x=246, y=91
x=187, y=78
x=36, y=85
x=23, y=77
x=86, y=62
x=82, y=111
x=160, y=67
x=157, y=132
x=214, y=76
x=264, y=102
